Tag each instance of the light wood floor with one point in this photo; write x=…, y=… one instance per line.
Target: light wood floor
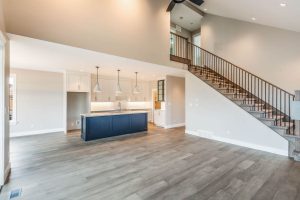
x=164, y=164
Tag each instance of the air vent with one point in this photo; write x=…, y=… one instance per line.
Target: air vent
x=15, y=193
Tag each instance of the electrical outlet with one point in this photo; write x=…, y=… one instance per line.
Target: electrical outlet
x=77, y=122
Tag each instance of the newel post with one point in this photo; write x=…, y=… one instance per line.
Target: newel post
x=297, y=119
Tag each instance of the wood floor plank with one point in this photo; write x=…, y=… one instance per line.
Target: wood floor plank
x=162, y=164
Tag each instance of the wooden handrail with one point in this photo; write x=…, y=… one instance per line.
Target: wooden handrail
x=179, y=36
x=241, y=68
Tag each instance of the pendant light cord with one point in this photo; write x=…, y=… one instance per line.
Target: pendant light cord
x=118, y=77
x=97, y=75
x=136, y=79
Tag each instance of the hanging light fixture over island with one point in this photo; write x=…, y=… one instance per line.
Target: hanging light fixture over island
x=136, y=89
x=97, y=88
x=118, y=90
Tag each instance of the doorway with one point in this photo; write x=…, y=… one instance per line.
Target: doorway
x=197, y=55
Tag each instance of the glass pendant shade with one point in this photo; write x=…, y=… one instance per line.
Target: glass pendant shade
x=97, y=88
x=136, y=89
x=118, y=90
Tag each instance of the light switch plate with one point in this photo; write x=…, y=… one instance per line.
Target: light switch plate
x=295, y=110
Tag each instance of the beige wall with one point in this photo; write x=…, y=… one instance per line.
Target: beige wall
x=39, y=102
x=271, y=53
x=175, y=101
x=2, y=26
x=137, y=29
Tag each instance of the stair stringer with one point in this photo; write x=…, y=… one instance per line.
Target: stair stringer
x=211, y=115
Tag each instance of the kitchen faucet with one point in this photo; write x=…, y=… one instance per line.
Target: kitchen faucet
x=120, y=106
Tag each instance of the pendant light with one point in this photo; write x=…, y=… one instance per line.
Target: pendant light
x=136, y=89
x=97, y=87
x=119, y=90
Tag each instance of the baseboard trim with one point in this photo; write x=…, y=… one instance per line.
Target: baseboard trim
x=38, y=132
x=6, y=175
x=237, y=142
x=174, y=125
x=7, y=172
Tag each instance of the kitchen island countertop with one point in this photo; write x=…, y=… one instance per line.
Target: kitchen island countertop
x=109, y=113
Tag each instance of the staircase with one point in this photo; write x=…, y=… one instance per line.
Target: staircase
x=266, y=102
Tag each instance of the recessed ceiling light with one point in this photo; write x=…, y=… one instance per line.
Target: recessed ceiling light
x=283, y=4
x=253, y=18
x=205, y=9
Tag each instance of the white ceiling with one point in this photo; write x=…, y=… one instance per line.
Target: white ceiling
x=28, y=53
x=191, y=20
x=266, y=12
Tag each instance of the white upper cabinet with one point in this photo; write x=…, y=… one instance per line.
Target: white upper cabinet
x=78, y=82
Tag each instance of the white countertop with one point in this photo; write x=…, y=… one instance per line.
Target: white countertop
x=99, y=114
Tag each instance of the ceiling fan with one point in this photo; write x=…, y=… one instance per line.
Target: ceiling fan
x=174, y=2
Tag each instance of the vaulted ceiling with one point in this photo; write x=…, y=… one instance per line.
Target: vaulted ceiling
x=265, y=12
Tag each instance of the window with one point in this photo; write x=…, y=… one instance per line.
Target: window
x=12, y=100
x=197, y=53
x=161, y=90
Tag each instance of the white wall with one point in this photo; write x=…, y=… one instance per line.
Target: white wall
x=211, y=115
x=4, y=118
x=175, y=101
x=271, y=53
x=39, y=102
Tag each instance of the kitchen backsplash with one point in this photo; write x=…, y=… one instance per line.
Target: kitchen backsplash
x=105, y=106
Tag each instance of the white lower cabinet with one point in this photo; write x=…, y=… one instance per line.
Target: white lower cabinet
x=160, y=118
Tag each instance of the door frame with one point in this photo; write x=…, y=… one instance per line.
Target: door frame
x=4, y=123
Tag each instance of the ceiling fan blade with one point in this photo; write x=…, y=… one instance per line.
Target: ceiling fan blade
x=171, y=6
x=197, y=2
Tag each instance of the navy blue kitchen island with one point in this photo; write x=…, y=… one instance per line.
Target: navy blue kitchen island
x=109, y=124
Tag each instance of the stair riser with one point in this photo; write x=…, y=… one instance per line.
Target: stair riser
x=248, y=108
x=268, y=122
x=226, y=90
x=280, y=131
x=258, y=115
x=231, y=96
x=240, y=101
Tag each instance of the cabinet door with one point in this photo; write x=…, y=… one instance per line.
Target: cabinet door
x=126, y=89
x=145, y=93
x=138, y=122
x=73, y=82
x=157, y=117
x=111, y=90
x=85, y=83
